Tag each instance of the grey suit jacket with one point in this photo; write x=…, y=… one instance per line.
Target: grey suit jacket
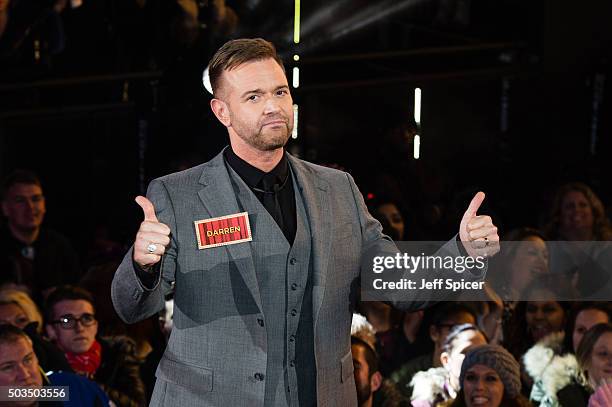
x=218, y=347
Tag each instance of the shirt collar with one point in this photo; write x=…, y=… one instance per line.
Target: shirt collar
x=252, y=175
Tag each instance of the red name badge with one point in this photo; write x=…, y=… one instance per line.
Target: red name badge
x=223, y=230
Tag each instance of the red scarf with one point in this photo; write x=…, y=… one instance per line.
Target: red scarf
x=86, y=363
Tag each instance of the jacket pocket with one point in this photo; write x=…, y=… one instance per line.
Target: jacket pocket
x=346, y=366
x=199, y=379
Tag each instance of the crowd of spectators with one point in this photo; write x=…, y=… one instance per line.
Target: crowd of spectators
x=505, y=351
x=54, y=38
x=58, y=326
x=533, y=342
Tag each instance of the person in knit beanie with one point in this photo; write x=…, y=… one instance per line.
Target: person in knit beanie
x=490, y=377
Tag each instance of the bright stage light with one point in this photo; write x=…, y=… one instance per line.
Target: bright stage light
x=294, y=133
x=206, y=81
x=296, y=23
x=417, y=105
x=296, y=77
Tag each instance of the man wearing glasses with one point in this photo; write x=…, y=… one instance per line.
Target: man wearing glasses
x=111, y=362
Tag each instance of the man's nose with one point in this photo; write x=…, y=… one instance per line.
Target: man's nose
x=271, y=106
x=31, y=204
x=23, y=373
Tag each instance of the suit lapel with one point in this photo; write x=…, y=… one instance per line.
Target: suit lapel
x=219, y=198
x=315, y=194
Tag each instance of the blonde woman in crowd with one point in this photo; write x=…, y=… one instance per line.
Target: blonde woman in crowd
x=17, y=308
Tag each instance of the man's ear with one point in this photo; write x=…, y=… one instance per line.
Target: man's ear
x=433, y=333
x=50, y=332
x=221, y=110
x=444, y=358
x=376, y=381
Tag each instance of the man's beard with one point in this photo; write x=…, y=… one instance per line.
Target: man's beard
x=363, y=393
x=264, y=142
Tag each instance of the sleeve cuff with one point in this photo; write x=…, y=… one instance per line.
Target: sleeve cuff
x=147, y=278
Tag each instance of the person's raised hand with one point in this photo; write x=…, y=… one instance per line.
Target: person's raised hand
x=477, y=232
x=152, y=238
x=602, y=396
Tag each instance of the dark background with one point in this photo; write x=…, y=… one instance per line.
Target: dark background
x=516, y=101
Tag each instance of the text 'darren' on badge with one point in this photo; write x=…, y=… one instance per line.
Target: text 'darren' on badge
x=223, y=230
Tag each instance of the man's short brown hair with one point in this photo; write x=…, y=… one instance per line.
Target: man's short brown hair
x=18, y=177
x=11, y=334
x=63, y=293
x=237, y=52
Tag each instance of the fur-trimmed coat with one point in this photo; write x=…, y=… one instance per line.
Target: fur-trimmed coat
x=119, y=372
x=430, y=387
x=557, y=377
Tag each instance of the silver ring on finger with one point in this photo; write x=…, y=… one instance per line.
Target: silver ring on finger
x=151, y=248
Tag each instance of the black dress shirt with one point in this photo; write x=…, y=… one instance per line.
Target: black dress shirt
x=277, y=184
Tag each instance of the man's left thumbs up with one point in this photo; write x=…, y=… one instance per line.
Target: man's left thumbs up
x=477, y=232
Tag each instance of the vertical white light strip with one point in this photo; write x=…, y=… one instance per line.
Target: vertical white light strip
x=417, y=119
x=417, y=105
x=294, y=133
x=296, y=23
x=296, y=77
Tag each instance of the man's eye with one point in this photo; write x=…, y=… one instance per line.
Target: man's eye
x=491, y=378
x=281, y=92
x=253, y=98
x=87, y=318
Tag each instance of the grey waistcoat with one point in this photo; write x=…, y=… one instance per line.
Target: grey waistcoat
x=284, y=275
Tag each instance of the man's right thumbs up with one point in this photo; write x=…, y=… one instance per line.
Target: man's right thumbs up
x=152, y=238
x=147, y=208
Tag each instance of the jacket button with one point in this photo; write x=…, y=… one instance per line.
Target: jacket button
x=293, y=312
x=292, y=261
x=292, y=338
x=259, y=376
x=292, y=363
x=294, y=286
x=260, y=321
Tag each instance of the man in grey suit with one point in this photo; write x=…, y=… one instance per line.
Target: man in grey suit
x=263, y=251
